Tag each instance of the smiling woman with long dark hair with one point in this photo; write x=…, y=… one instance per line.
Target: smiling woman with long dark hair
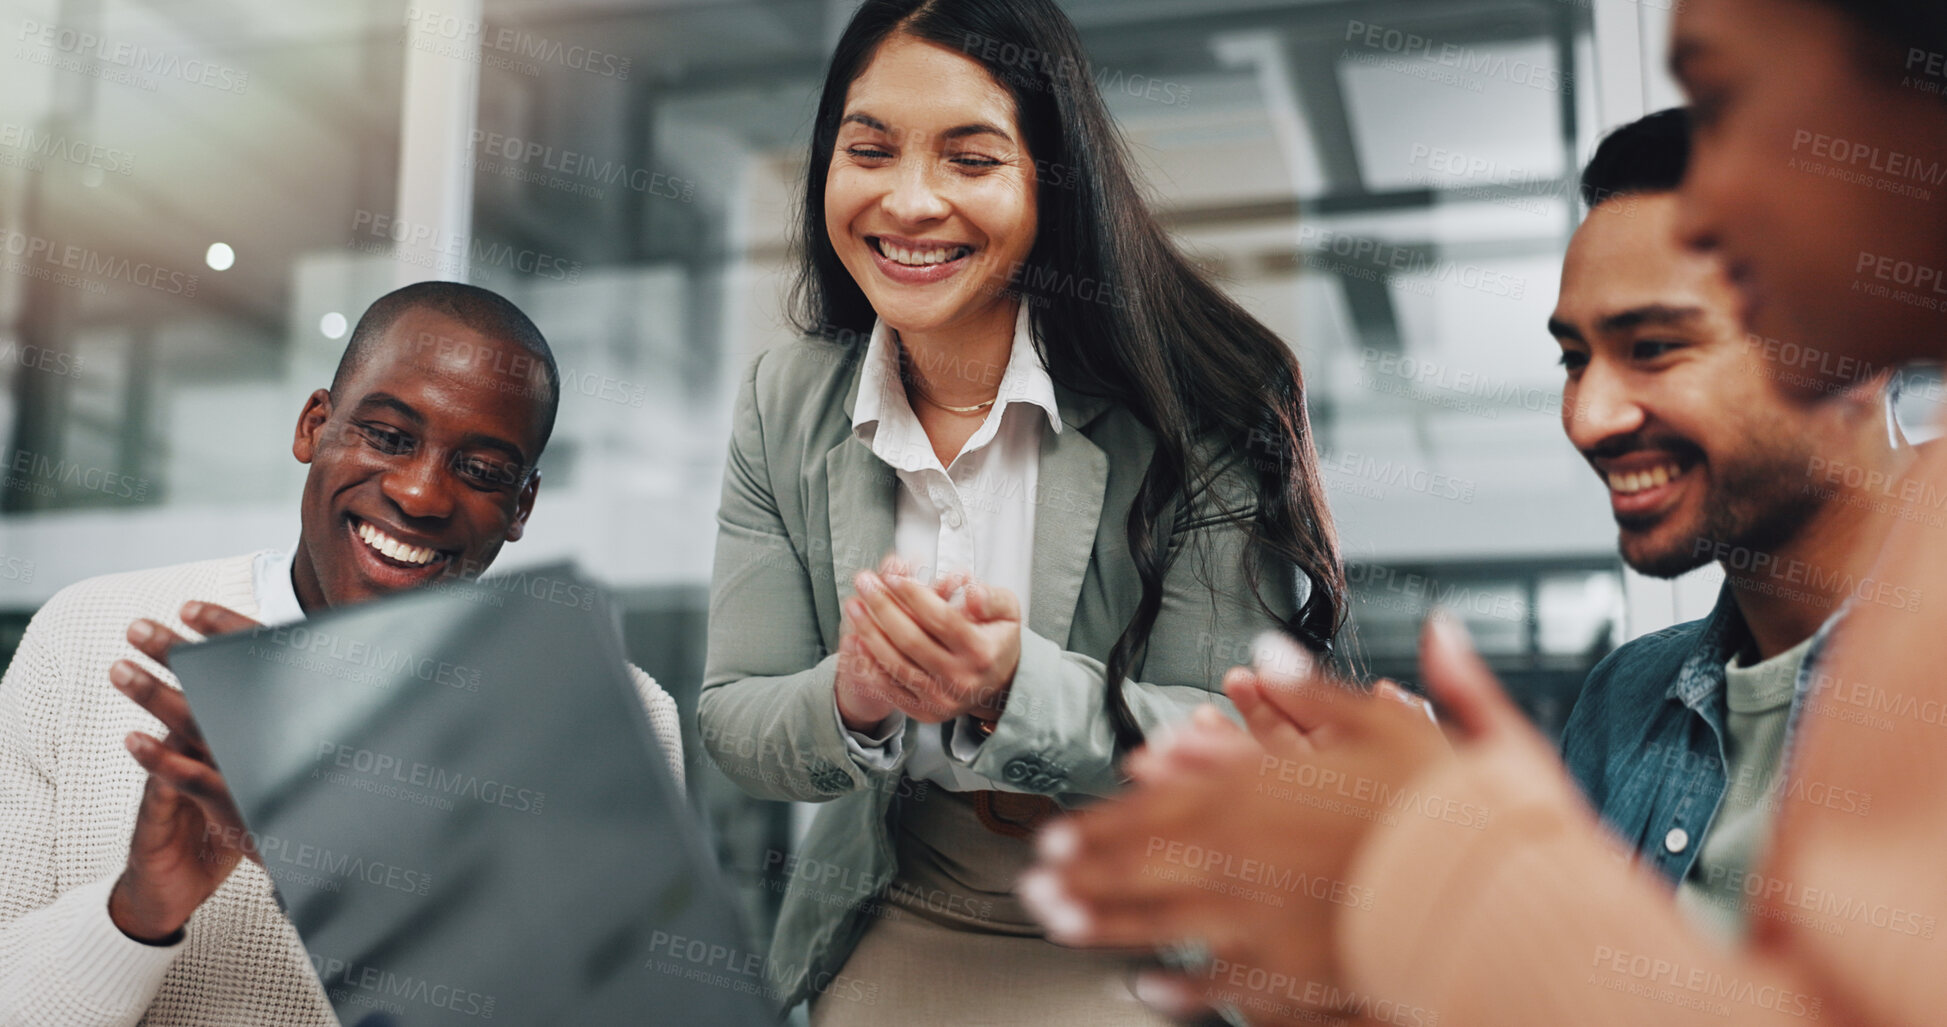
x=1093, y=474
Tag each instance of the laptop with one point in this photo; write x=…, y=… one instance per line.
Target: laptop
x=458, y=796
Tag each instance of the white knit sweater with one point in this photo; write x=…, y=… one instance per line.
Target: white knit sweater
x=68, y=798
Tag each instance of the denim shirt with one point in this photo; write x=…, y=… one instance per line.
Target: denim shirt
x=1646, y=740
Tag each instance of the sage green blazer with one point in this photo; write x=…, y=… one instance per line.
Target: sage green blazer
x=806, y=505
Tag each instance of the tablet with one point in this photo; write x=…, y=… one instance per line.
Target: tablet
x=467, y=817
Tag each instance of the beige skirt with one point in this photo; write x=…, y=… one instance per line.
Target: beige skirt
x=911, y=972
x=951, y=944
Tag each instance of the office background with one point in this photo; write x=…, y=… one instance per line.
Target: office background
x=1389, y=184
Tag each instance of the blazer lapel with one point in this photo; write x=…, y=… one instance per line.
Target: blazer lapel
x=1069, y=487
x=859, y=504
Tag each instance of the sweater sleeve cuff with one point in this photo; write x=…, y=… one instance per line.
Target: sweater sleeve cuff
x=106, y=969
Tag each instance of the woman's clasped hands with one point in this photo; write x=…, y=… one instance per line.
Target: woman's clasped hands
x=932, y=651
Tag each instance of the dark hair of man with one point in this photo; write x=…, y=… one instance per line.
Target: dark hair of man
x=1151, y=333
x=1647, y=155
x=482, y=310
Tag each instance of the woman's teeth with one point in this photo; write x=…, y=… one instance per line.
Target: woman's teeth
x=1628, y=482
x=394, y=548
x=921, y=258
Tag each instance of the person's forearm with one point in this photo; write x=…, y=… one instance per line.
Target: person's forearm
x=777, y=737
x=1053, y=736
x=1535, y=918
x=62, y=959
x=67, y=965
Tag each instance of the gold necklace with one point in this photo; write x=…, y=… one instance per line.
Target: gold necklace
x=912, y=378
x=976, y=408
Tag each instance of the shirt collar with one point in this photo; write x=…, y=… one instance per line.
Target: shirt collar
x=1702, y=675
x=1701, y=680
x=882, y=397
x=276, y=597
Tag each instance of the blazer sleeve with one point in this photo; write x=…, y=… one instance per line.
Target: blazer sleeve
x=768, y=713
x=1054, y=736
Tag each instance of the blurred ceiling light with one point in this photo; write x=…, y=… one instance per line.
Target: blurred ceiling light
x=332, y=325
x=220, y=256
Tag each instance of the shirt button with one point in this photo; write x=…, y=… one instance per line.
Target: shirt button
x=953, y=518
x=1677, y=840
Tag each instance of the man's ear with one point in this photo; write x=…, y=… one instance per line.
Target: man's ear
x=310, y=423
x=523, y=506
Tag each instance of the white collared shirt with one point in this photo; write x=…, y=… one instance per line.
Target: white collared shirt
x=276, y=596
x=975, y=515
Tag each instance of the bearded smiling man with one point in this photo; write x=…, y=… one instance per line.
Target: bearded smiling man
x=123, y=895
x=1679, y=736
